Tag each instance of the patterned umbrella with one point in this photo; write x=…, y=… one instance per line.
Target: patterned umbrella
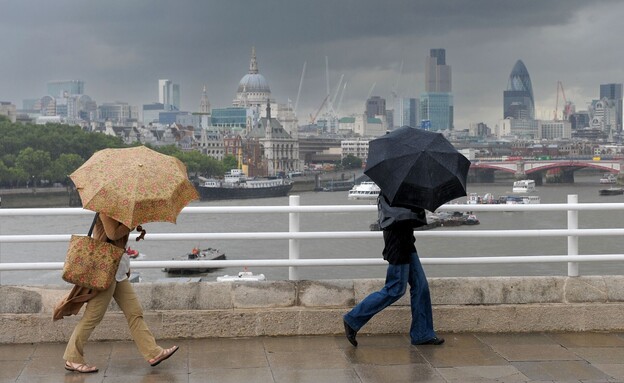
x=134, y=185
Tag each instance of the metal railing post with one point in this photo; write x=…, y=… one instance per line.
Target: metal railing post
x=573, y=249
x=293, y=244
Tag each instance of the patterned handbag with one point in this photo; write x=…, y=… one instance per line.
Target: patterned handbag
x=91, y=263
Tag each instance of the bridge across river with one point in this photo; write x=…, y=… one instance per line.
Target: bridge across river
x=556, y=171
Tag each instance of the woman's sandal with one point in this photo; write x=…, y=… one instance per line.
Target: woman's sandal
x=164, y=355
x=81, y=368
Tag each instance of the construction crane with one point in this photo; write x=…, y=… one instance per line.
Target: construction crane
x=566, y=106
x=300, y=85
x=313, y=118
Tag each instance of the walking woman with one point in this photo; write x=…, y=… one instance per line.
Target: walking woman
x=122, y=291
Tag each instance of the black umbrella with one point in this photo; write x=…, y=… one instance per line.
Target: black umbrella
x=417, y=168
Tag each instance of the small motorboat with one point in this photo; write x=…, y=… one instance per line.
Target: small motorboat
x=611, y=191
x=208, y=254
x=242, y=276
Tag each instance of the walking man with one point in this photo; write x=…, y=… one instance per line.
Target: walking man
x=404, y=268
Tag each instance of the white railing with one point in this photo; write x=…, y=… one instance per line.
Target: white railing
x=294, y=235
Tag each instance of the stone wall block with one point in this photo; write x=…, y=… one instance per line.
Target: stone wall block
x=320, y=322
x=337, y=293
x=252, y=294
x=585, y=289
x=215, y=295
x=615, y=287
x=278, y=322
x=19, y=300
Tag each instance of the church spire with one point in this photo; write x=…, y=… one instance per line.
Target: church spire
x=268, y=109
x=253, y=64
x=204, y=103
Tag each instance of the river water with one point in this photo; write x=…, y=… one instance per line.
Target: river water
x=586, y=187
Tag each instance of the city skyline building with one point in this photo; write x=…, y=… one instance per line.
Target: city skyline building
x=407, y=112
x=64, y=88
x=436, y=103
x=518, y=101
x=613, y=93
x=169, y=93
x=375, y=106
x=253, y=89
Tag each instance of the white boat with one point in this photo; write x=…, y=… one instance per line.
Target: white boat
x=242, y=276
x=608, y=178
x=525, y=199
x=366, y=190
x=475, y=199
x=523, y=186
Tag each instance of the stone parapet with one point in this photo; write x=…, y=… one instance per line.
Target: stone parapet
x=237, y=309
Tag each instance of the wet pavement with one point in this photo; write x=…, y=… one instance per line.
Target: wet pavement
x=535, y=357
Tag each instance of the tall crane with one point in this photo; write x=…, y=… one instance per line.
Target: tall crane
x=313, y=118
x=566, y=106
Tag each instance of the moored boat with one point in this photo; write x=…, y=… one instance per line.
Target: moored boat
x=242, y=276
x=611, y=191
x=338, y=185
x=366, y=190
x=208, y=254
x=236, y=185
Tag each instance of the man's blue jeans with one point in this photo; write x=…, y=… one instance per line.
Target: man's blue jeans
x=397, y=278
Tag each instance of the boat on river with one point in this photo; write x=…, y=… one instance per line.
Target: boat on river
x=523, y=186
x=242, y=276
x=236, y=185
x=366, y=190
x=208, y=254
x=611, y=191
x=520, y=200
x=608, y=178
x=338, y=185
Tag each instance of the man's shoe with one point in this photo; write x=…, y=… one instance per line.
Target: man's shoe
x=436, y=341
x=350, y=333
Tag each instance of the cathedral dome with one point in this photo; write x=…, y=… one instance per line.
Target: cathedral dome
x=253, y=83
x=253, y=88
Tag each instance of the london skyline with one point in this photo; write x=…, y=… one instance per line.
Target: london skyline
x=120, y=50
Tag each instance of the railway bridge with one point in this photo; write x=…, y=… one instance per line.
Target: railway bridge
x=551, y=171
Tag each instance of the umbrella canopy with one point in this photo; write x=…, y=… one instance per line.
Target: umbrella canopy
x=417, y=168
x=134, y=185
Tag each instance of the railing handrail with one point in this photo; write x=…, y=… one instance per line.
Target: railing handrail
x=572, y=232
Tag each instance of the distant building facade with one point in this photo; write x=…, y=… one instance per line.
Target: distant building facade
x=613, y=93
x=169, y=93
x=436, y=103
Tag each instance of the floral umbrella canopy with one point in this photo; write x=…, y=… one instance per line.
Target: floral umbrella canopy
x=134, y=185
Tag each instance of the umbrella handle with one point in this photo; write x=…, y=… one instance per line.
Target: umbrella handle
x=93, y=224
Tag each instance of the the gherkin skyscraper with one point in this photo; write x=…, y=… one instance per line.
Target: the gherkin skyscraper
x=518, y=98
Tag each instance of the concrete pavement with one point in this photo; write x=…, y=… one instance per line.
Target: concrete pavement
x=465, y=357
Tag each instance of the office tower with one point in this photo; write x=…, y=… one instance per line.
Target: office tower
x=65, y=88
x=169, y=93
x=436, y=104
x=407, y=112
x=518, y=98
x=437, y=73
x=375, y=106
x=613, y=93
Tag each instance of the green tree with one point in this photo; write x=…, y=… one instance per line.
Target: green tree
x=230, y=162
x=64, y=166
x=34, y=162
x=351, y=162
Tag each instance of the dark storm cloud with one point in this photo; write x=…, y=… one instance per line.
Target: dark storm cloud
x=121, y=48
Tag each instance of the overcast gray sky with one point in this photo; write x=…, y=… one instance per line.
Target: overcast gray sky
x=121, y=48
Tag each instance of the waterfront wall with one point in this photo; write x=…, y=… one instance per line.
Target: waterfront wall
x=280, y=308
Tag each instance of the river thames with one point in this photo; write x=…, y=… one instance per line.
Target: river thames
x=586, y=187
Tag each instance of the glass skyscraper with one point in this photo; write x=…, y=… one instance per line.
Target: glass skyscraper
x=436, y=104
x=518, y=100
x=613, y=92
